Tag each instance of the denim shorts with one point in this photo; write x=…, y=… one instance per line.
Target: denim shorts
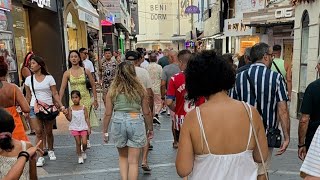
x=128, y=129
x=32, y=113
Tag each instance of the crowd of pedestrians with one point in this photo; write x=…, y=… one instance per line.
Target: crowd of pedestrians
x=210, y=100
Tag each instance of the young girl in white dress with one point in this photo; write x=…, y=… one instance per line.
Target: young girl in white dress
x=79, y=125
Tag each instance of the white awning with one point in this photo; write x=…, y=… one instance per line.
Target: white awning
x=88, y=13
x=178, y=38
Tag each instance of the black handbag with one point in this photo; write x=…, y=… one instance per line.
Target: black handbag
x=274, y=137
x=46, y=112
x=88, y=84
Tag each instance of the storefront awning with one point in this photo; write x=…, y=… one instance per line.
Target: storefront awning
x=270, y=24
x=216, y=36
x=154, y=42
x=88, y=13
x=269, y=17
x=178, y=38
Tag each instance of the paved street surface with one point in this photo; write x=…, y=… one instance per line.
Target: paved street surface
x=102, y=161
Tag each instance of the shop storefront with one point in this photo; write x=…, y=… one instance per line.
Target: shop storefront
x=239, y=36
x=82, y=25
x=7, y=48
x=37, y=27
x=306, y=50
x=274, y=25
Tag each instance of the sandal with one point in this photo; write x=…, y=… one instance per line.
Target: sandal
x=175, y=145
x=146, y=169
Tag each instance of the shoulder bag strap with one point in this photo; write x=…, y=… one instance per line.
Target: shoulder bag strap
x=254, y=93
x=32, y=85
x=249, y=111
x=275, y=65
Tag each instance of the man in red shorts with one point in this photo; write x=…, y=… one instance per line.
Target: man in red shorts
x=176, y=92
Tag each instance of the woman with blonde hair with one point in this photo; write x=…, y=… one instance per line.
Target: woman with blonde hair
x=125, y=100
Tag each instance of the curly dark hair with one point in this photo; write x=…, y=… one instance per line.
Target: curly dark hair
x=207, y=74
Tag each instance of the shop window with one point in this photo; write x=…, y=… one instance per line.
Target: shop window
x=303, y=59
x=72, y=32
x=304, y=52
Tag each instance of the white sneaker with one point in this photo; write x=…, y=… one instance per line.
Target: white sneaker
x=88, y=144
x=80, y=160
x=84, y=155
x=52, y=156
x=40, y=162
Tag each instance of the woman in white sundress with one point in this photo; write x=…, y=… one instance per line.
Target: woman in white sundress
x=217, y=140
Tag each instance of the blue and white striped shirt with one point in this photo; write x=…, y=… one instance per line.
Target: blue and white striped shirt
x=269, y=87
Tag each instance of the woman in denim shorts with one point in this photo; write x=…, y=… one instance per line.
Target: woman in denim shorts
x=125, y=101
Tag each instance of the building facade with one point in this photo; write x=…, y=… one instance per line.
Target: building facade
x=163, y=24
x=306, y=50
x=116, y=35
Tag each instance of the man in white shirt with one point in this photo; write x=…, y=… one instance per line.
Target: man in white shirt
x=86, y=62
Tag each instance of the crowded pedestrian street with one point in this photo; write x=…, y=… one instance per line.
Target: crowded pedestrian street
x=159, y=89
x=102, y=163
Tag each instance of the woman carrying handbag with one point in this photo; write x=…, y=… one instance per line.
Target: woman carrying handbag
x=40, y=88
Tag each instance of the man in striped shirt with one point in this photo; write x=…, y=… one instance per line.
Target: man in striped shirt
x=266, y=90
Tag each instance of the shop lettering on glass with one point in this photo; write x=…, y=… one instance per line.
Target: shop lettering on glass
x=42, y=3
x=157, y=8
x=283, y=13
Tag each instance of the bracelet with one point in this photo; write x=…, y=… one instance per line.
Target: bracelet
x=163, y=98
x=106, y=134
x=24, y=154
x=300, y=146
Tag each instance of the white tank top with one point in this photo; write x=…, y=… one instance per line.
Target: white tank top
x=78, y=121
x=227, y=166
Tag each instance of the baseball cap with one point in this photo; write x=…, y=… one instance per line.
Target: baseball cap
x=132, y=55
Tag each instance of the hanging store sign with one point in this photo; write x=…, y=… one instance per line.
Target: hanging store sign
x=192, y=10
x=42, y=3
x=283, y=13
x=235, y=27
x=92, y=21
x=273, y=15
x=5, y=5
